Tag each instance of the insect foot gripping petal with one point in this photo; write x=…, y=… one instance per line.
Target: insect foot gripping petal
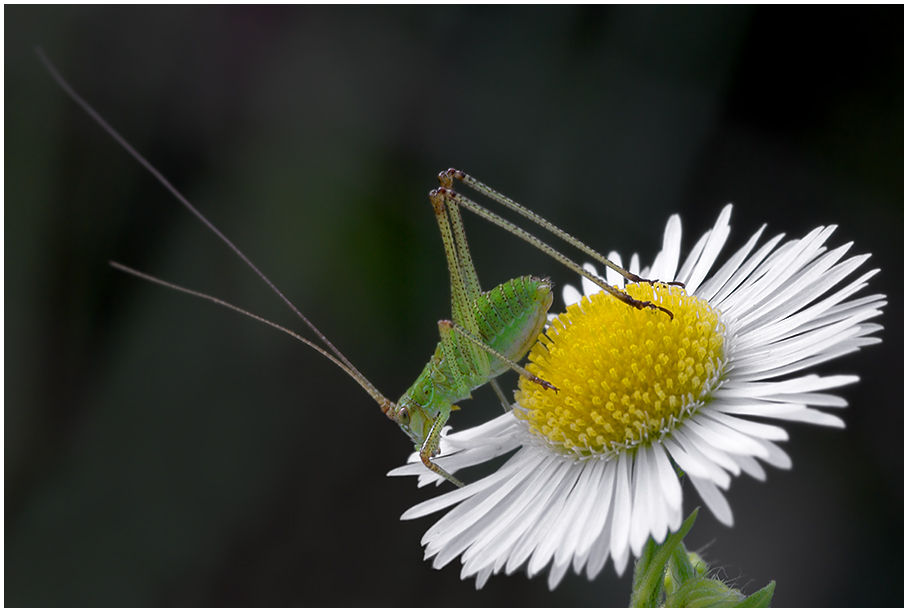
x=641, y=304
x=429, y=449
x=638, y=279
x=427, y=461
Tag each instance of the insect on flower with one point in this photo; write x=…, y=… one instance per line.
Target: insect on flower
x=489, y=330
x=595, y=474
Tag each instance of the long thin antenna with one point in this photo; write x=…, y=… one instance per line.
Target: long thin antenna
x=349, y=367
x=385, y=404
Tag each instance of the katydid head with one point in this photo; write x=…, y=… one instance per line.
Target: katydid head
x=416, y=421
x=423, y=421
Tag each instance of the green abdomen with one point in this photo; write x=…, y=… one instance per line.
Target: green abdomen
x=509, y=317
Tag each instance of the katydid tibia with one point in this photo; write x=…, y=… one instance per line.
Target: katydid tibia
x=489, y=331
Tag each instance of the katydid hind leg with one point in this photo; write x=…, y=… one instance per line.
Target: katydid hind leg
x=464, y=291
x=429, y=449
x=501, y=396
x=449, y=328
x=446, y=179
x=457, y=199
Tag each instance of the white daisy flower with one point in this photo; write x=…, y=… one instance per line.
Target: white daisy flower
x=641, y=394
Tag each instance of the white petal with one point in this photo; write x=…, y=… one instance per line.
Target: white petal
x=665, y=265
x=724, y=438
x=714, y=500
x=711, y=289
x=709, y=450
x=513, y=520
x=580, y=527
x=750, y=428
x=692, y=257
x=621, y=519
x=589, y=287
x=552, y=505
x=668, y=480
x=751, y=467
x=714, y=244
x=611, y=276
x=570, y=295
x=693, y=462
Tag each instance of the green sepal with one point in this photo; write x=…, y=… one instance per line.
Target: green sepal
x=649, y=572
x=760, y=599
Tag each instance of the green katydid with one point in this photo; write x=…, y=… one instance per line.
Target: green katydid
x=489, y=330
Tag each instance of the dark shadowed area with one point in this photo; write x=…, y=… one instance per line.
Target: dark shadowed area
x=160, y=450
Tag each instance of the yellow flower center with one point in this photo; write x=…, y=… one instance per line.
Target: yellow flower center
x=624, y=376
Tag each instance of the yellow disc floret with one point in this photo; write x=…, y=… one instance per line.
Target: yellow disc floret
x=624, y=376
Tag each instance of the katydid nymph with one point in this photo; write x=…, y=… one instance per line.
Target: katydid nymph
x=488, y=333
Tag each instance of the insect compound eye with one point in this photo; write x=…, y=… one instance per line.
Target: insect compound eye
x=403, y=415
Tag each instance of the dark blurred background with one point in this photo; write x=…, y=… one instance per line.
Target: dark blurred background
x=160, y=450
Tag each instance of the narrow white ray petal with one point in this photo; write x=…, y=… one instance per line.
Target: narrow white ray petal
x=556, y=574
x=751, y=467
x=554, y=535
x=512, y=546
x=725, y=299
x=871, y=302
x=619, y=559
x=791, y=323
x=777, y=457
x=665, y=263
x=717, y=237
x=723, y=437
x=749, y=428
x=817, y=399
x=761, y=295
x=849, y=324
x=756, y=374
x=711, y=288
x=784, y=387
x=602, y=504
x=773, y=315
x=589, y=485
x=809, y=415
x=514, y=519
x=621, y=520
x=589, y=287
x=692, y=441
x=482, y=451
x=659, y=511
x=814, y=279
x=692, y=257
x=501, y=426
x=446, y=500
x=642, y=505
x=668, y=479
x=693, y=462
x=553, y=505
x=760, y=408
x=599, y=551
x=634, y=267
x=714, y=500
x=483, y=577
x=793, y=350
x=773, y=272
x=570, y=295
x=457, y=534
x=671, y=248
x=611, y=276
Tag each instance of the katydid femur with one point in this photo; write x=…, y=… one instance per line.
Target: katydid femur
x=488, y=333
